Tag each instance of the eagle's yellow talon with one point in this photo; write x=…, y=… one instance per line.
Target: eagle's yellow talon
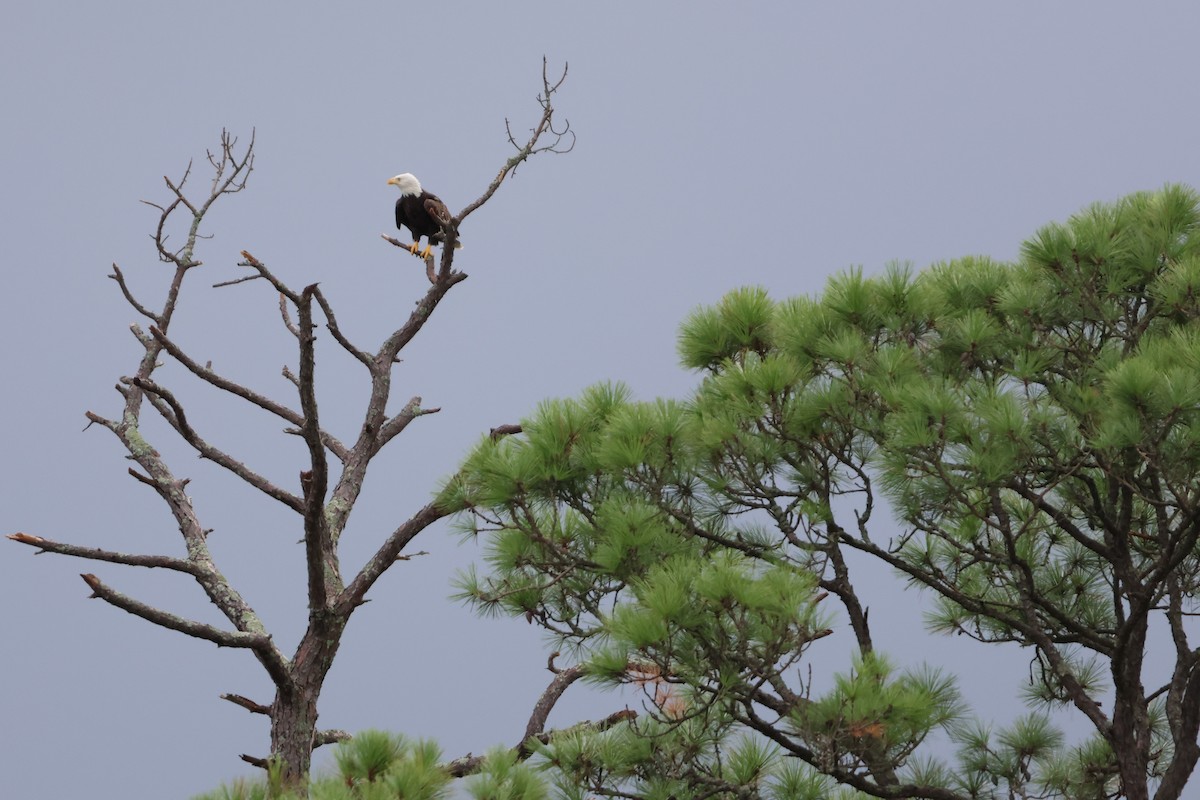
x=412, y=248
x=428, y=248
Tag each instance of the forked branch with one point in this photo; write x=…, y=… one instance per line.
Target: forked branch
x=207, y=374
x=171, y=410
x=545, y=126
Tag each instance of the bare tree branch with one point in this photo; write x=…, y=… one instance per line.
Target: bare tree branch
x=396, y=425
x=261, y=269
x=285, y=316
x=409, y=246
x=337, y=332
x=430, y=270
x=352, y=596
x=247, y=703
x=504, y=430
x=199, y=630
x=263, y=402
x=318, y=543
x=120, y=279
x=416, y=320
x=236, y=281
x=97, y=554
x=333, y=736
x=544, y=125
x=169, y=407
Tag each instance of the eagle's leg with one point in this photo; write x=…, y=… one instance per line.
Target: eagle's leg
x=412, y=248
x=425, y=252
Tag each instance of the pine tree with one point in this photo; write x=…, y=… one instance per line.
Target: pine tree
x=1021, y=440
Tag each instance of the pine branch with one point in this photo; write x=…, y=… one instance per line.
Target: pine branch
x=545, y=704
x=470, y=764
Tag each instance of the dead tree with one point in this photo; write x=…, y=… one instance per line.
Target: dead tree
x=331, y=478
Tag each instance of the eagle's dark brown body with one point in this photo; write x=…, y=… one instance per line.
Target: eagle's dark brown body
x=422, y=212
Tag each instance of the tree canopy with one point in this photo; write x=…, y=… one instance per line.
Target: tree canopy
x=1019, y=439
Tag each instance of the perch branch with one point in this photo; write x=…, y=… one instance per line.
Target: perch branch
x=429, y=268
x=402, y=245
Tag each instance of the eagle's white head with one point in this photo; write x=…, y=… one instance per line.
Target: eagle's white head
x=406, y=182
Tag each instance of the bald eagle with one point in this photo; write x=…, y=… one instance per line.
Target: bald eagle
x=421, y=212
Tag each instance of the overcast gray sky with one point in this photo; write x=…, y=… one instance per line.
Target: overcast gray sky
x=719, y=145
